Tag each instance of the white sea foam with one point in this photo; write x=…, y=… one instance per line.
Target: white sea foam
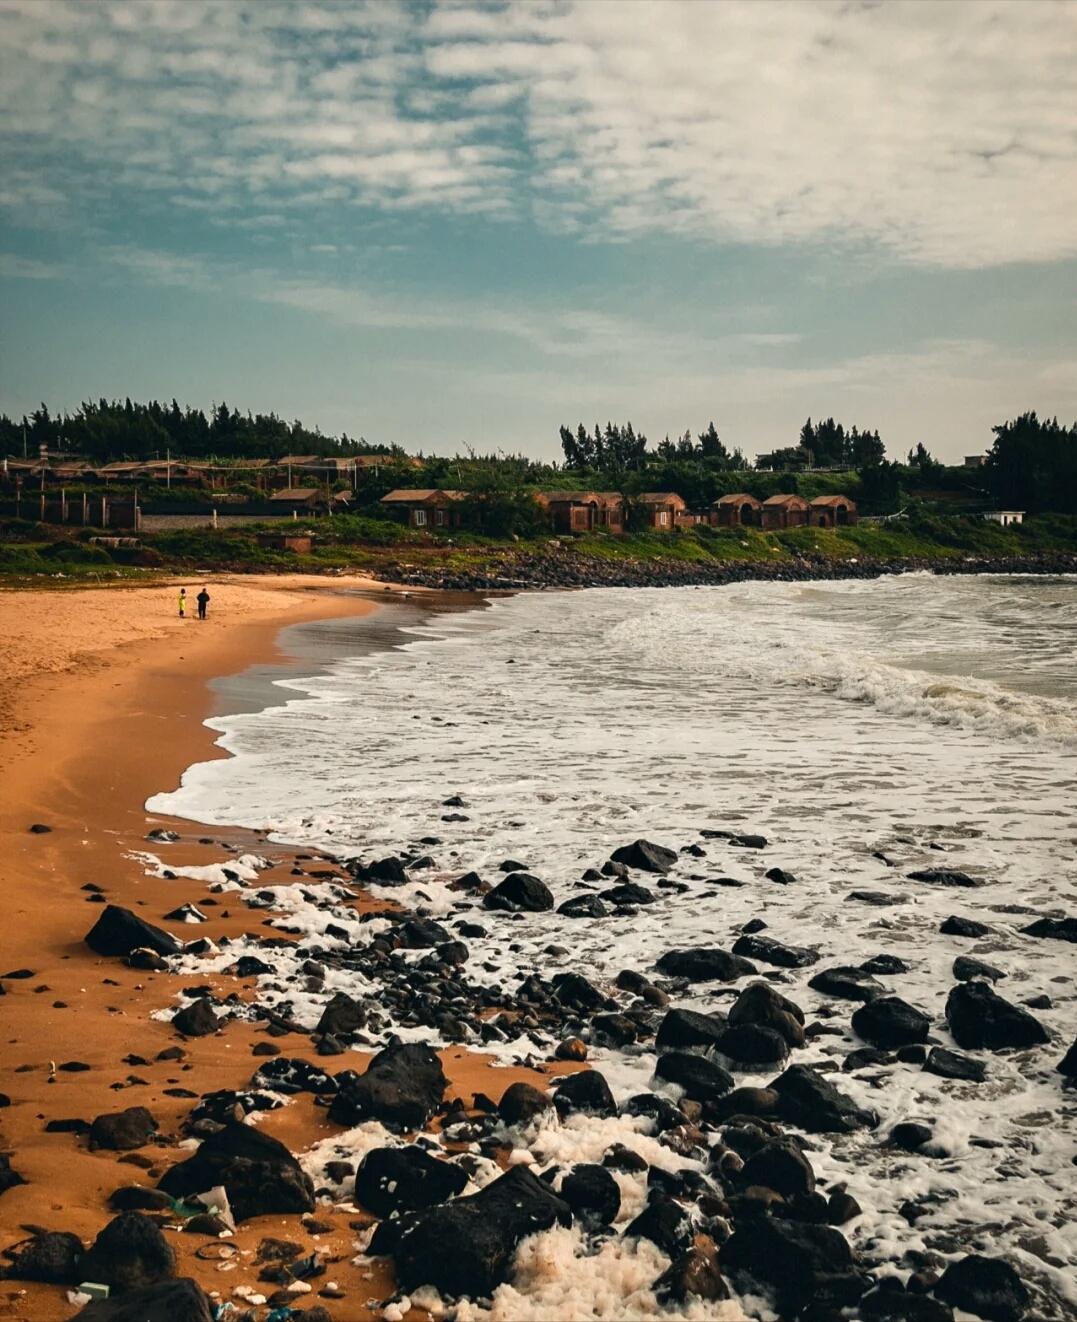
x=932, y=721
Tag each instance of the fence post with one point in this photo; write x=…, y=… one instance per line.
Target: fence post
x=215, y=518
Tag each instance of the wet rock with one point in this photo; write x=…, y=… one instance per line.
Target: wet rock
x=519, y=892
x=1058, y=929
x=571, y=1048
x=955, y=926
x=909, y=1135
x=181, y=1300
x=645, y=856
x=760, y=1004
x=1067, y=1066
x=386, y=870
x=521, y=1103
x=574, y=991
x=781, y=1166
x=394, y=1180
x=988, y=1287
x=665, y=1223
x=780, y=876
x=186, y=913
x=945, y=877
x=705, y=964
x=770, y=951
x=402, y=1087
x=586, y=1091
x=753, y=1045
x=841, y=1208
x=895, y=1304
x=808, y=1100
x=39, y=828
x=615, y=1030
x=118, y=931
x=137, y=1198
x=694, y=1274
x=660, y=1109
x=123, y=1131
x=848, y=983
x=688, y=1029
x=966, y=968
x=583, y=906
x=466, y=1247
x=342, y=1015
x=759, y=1102
x=628, y=893
x=890, y=1022
x=421, y=933
x=259, y=1174
x=953, y=1065
x=50, y=1256
x=978, y=1017
x=197, y=1019
x=9, y=1178
x=798, y=1263
x=293, y=1075
x=884, y=964
x=130, y=1253
x=592, y=1193
x=702, y=1079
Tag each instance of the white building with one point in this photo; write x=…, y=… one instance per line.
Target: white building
x=1005, y=517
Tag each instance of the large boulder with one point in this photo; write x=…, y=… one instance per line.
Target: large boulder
x=953, y=1065
x=402, y=1087
x=574, y=991
x=198, y=1019
x=50, y=1256
x=645, y=856
x=705, y=964
x=130, y=1253
x=889, y=1022
x=181, y=1300
x=583, y=906
x=394, y=1180
x=119, y=931
x=1058, y=929
x=702, y=1079
x=664, y=1222
x=810, y=1101
x=521, y=1103
x=341, y=1014
x=467, y=1247
x=760, y=1004
x=688, y=1030
x=592, y=1193
x=692, y=1274
x=519, y=891
x=771, y=951
x=979, y=1017
x=753, y=1045
x=586, y=1091
x=988, y=1287
x=796, y=1262
x=779, y=1165
x=258, y=1173
x=123, y=1131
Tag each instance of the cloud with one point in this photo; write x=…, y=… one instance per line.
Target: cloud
x=14, y=267
x=941, y=135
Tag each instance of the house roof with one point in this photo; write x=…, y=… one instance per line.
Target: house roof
x=833, y=500
x=420, y=496
x=296, y=459
x=580, y=497
x=737, y=498
x=660, y=498
x=785, y=498
x=296, y=493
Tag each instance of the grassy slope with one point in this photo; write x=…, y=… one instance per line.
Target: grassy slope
x=377, y=546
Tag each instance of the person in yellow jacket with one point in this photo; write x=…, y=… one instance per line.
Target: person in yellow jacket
x=183, y=603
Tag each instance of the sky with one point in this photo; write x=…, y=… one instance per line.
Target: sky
x=464, y=224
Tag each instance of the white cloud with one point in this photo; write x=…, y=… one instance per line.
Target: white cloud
x=14, y=267
x=943, y=134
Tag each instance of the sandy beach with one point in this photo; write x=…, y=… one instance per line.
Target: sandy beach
x=104, y=695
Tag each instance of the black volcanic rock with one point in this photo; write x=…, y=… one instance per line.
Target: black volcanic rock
x=753, y=1045
x=466, y=1247
x=9, y=1178
x=181, y=1300
x=988, y=1287
x=966, y=968
x=779, y=1165
x=688, y=1029
x=123, y=1131
x=402, y=1087
x=775, y=952
x=810, y=1101
x=118, y=931
x=890, y=1022
x=519, y=891
x=945, y=877
x=592, y=1192
x=799, y=1263
x=645, y=856
x=586, y=1091
x=341, y=1015
x=197, y=1019
x=50, y=1256
x=583, y=906
x=956, y=926
x=953, y=1065
x=978, y=1017
x=259, y=1174
x=702, y=1079
x=521, y=1103
x=704, y=964
x=851, y=984
x=394, y=1180
x=759, y=1003
x=131, y=1252
x=1058, y=929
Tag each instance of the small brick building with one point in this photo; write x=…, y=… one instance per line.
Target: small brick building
x=784, y=511
x=584, y=511
x=426, y=508
x=832, y=512
x=736, y=510
x=660, y=509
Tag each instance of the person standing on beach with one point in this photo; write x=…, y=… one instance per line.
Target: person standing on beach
x=203, y=602
x=183, y=603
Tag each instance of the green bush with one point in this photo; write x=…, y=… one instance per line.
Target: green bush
x=76, y=553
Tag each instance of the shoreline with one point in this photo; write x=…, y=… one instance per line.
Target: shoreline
x=77, y=758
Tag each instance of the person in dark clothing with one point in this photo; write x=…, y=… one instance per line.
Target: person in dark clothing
x=203, y=602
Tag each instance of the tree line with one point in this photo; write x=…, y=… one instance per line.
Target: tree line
x=104, y=430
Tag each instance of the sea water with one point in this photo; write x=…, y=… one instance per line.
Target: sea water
x=932, y=721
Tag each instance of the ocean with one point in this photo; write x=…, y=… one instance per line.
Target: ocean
x=866, y=728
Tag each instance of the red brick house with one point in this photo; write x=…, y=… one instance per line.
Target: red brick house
x=660, y=509
x=832, y=512
x=736, y=510
x=426, y=508
x=784, y=511
x=584, y=511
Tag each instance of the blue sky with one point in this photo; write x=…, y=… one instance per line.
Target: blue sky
x=448, y=224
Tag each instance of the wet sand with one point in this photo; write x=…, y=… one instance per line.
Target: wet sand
x=105, y=698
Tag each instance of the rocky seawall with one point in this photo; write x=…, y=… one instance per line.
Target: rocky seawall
x=569, y=569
